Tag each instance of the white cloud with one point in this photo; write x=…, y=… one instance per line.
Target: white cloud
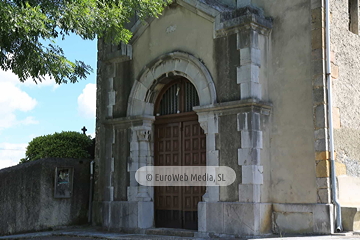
x=9, y=76
x=13, y=99
x=10, y=154
x=87, y=101
x=29, y=120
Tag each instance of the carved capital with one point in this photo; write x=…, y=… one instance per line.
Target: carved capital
x=143, y=135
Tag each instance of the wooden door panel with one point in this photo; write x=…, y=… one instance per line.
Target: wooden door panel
x=178, y=144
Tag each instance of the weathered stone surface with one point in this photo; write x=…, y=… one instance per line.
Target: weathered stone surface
x=334, y=71
x=248, y=156
x=317, y=38
x=340, y=169
x=247, y=218
x=324, y=195
x=27, y=193
x=336, y=118
x=351, y=218
x=250, y=90
x=227, y=56
x=320, y=222
x=322, y=169
x=317, y=17
x=252, y=174
x=251, y=139
x=320, y=112
x=248, y=73
x=349, y=190
x=322, y=155
x=323, y=182
x=227, y=156
x=145, y=214
x=249, y=121
x=284, y=222
x=321, y=134
x=212, y=219
x=323, y=218
x=250, y=56
x=321, y=145
x=249, y=193
x=319, y=95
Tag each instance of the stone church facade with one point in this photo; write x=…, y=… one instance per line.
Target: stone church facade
x=237, y=83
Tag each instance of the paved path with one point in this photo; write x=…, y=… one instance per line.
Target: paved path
x=89, y=233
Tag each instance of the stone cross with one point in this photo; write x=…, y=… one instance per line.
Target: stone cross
x=84, y=130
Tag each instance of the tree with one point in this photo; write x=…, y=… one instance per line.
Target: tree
x=61, y=145
x=29, y=28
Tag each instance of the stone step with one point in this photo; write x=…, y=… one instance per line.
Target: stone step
x=170, y=232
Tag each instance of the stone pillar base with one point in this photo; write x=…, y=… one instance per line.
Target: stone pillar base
x=120, y=215
x=233, y=218
x=248, y=219
x=303, y=218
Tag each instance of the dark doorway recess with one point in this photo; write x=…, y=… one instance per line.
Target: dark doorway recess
x=179, y=141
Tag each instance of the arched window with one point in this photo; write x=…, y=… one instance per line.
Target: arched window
x=179, y=96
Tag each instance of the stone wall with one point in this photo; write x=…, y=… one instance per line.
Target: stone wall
x=288, y=72
x=27, y=196
x=254, y=69
x=346, y=100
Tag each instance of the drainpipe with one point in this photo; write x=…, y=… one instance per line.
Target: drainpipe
x=91, y=190
x=330, y=117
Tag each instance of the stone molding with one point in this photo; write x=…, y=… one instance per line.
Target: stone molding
x=238, y=106
x=141, y=103
x=145, y=89
x=245, y=18
x=114, y=53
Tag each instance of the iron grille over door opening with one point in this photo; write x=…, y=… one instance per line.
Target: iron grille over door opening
x=181, y=96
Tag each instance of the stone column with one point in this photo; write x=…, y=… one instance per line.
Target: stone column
x=141, y=155
x=249, y=156
x=209, y=123
x=250, y=63
x=248, y=76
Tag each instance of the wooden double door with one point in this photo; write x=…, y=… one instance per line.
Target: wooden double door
x=179, y=143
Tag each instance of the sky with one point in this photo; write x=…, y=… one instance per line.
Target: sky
x=29, y=110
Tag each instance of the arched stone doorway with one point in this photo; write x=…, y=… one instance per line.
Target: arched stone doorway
x=151, y=83
x=178, y=141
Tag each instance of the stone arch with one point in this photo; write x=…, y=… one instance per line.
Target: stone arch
x=154, y=76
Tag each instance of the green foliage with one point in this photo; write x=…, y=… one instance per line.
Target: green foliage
x=62, y=145
x=27, y=25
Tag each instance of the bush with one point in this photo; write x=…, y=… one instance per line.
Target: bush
x=61, y=145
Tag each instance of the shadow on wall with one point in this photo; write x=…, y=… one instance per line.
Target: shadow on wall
x=44, y=193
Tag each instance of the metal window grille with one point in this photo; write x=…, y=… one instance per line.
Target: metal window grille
x=184, y=93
